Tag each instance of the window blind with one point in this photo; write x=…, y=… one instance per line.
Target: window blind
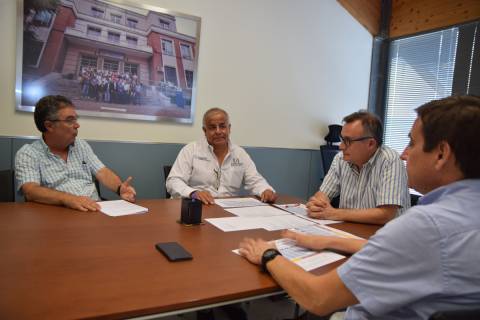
x=421, y=69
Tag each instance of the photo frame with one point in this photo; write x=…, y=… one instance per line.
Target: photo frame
x=112, y=59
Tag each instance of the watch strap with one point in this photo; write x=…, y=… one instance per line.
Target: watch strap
x=268, y=256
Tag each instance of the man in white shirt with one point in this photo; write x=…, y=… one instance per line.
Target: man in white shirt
x=215, y=167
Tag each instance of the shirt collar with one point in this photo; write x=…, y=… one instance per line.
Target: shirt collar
x=370, y=161
x=46, y=148
x=453, y=187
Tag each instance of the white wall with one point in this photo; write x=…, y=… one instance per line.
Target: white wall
x=284, y=70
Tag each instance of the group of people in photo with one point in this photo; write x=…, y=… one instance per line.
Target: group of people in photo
x=110, y=86
x=423, y=258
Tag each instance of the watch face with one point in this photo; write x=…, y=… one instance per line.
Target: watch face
x=270, y=254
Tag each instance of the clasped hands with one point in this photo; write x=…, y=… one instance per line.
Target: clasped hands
x=319, y=207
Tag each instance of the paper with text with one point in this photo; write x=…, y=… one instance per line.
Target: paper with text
x=300, y=210
x=259, y=211
x=239, y=202
x=116, y=208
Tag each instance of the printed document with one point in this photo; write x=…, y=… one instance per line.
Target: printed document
x=239, y=202
x=116, y=208
x=305, y=258
x=300, y=210
x=259, y=211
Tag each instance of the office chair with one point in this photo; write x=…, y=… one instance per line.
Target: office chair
x=414, y=199
x=7, y=184
x=166, y=172
x=329, y=152
x=97, y=186
x=456, y=315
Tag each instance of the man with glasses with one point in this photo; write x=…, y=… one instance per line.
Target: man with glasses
x=58, y=168
x=214, y=167
x=369, y=177
x=422, y=262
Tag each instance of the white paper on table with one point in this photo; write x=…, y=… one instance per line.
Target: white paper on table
x=259, y=211
x=116, y=208
x=305, y=258
x=300, y=210
x=288, y=221
x=325, y=231
x=239, y=202
x=228, y=224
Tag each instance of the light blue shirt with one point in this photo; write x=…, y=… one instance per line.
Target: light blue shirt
x=381, y=181
x=36, y=163
x=425, y=261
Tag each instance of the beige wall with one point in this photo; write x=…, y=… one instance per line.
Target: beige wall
x=284, y=70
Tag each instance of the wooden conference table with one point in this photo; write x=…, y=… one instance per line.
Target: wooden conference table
x=57, y=263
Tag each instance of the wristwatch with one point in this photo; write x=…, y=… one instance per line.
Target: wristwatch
x=267, y=256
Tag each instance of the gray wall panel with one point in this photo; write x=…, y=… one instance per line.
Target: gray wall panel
x=6, y=161
x=144, y=162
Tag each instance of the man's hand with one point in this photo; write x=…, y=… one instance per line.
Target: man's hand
x=306, y=240
x=319, y=207
x=268, y=196
x=203, y=196
x=81, y=203
x=254, y=249
x=127, y=192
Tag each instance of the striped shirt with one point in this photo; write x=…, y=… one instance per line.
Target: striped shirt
x=36, y=163
x=381, y=181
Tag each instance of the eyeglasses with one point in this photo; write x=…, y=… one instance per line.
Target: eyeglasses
x=68, y=121
x=348, y=141
x=218, y=177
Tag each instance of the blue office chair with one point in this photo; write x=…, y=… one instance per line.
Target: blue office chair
x=7, y=185
x=166, y=172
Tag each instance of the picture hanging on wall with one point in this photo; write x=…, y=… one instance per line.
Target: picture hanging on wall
x=112, y=59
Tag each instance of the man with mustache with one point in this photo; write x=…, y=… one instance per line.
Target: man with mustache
x=58, y=168
x=215, y=167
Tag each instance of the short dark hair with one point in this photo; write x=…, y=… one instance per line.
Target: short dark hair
x=214, y=110
x=371, y=123
x=455, y=120
x=47, y=109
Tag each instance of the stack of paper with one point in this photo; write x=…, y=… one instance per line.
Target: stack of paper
x=116, y=208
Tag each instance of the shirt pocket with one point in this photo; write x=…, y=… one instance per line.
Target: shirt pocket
x=80, y=170
x=234, y=176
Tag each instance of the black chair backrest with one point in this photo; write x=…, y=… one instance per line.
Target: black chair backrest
x=7, y=183
x=166, y=172
x=328, y=153
x=456, y=315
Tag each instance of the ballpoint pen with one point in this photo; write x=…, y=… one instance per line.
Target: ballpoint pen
x=292, y=205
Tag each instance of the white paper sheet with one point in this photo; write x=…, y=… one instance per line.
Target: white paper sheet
x=300, y=210
x=228, y=224
x=239, y=202
x=305, y=258
x=325, y=231
x=116, y=208
x=259, y=211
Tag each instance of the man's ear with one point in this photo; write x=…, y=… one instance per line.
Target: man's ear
x=444, y=154
x=48, y=125
x=204, y=130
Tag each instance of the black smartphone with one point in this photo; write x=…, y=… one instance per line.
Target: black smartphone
x=173, y=251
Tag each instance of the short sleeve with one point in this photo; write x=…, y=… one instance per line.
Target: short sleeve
x=331, y=183
x=26, y=167
x=94, y=163
x=399, y=265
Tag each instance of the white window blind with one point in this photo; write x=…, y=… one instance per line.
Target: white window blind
x=420, y=70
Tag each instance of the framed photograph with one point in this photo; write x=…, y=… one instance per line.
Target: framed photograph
x=112, y=59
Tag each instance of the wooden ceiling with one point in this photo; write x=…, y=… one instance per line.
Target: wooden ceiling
x=413, y=16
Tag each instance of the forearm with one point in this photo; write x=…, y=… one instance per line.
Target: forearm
x=372, y=215
x=347, y=245
x=318, y=294
x=178, y=188
x=37, y=193
x=108, y=178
